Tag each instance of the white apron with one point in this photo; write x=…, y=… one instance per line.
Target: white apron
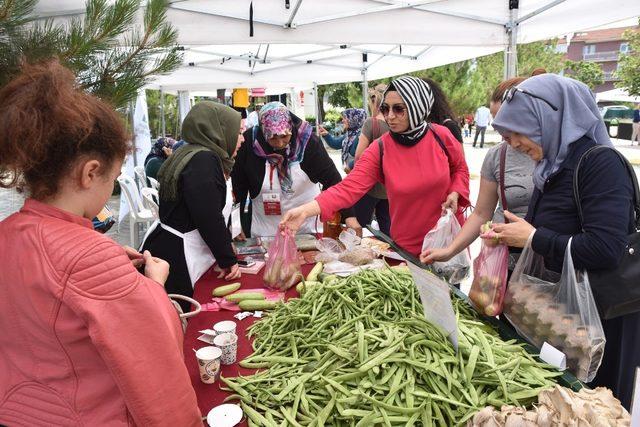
x=302, y=191
x=197, y=254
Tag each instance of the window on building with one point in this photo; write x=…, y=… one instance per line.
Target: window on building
x=624, y=47
x=588, y=49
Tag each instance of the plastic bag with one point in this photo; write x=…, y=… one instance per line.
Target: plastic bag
x=347, y=256
x=562, y=313
x=490, y=279
x=283, y=266
x=457, y=268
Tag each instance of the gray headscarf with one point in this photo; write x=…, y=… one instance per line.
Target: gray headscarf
x=555, y=131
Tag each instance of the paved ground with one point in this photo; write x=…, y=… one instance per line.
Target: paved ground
x=10, y=201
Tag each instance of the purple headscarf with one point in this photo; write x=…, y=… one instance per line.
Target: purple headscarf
x=275, y=119
x=356, y=118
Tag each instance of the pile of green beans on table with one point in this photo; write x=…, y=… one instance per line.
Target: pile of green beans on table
x=358, y=352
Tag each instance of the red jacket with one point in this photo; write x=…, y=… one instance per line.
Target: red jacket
x=418, y=179
x=86, y=339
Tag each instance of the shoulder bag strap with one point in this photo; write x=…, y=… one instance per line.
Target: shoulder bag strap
x=630, y=172
x=440, y=142
x=381, y=149
x=503, y=161
x=375, y=128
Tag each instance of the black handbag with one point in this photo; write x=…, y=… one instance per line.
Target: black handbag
x=617, y=292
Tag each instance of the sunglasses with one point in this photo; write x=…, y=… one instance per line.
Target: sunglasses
x=397, y=109
x=508, y=96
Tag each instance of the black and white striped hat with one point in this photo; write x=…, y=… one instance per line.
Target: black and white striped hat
x=418, y=96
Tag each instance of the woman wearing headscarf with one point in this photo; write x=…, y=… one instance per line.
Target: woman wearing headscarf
x=160, y=151
x=555, y=120
x=192, y=233
x=279, y=168
x=421, y=164
x=352, y=120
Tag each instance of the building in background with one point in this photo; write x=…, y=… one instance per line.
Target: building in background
x=601, y=46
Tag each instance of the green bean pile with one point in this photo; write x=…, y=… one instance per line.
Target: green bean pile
x=359, y=352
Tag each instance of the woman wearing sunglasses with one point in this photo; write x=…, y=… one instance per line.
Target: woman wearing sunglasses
x=555, y=120
x=505, y=180
x=421, y=164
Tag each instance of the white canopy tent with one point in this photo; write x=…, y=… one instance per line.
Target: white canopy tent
x=295, y=43
x=616, y=95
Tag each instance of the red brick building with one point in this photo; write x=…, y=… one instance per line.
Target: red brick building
x=601, y=46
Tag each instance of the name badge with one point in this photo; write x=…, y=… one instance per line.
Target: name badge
x=271, y=203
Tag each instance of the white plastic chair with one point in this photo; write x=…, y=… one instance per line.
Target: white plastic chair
x=137, y=212
x=142, y=177
x=150, y=199
x=154, y=184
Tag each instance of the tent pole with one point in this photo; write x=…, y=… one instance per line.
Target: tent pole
x=365, y=85
x=511, y=51
x=162, y=120
x=317, y=108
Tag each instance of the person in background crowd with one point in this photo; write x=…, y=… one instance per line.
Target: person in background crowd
x=252, y=118
x=196, y=199
x=421, y=164
x=518, y=187
x=85, y=337
x=352, y=121
x=375, y=201
x=635, y=136
x=465, y=128
x=482, y=119
x=441, y=112
x=160, y=151
x=555, y=120
x=280, y=168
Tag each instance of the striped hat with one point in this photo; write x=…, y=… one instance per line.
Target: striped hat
x=418, y=96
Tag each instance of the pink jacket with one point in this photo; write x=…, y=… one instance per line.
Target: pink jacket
x=84, y=338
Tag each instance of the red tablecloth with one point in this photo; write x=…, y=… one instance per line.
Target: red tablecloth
x=210, y=395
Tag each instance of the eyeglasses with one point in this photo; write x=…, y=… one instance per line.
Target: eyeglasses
x=508, y=96
x=397, y=109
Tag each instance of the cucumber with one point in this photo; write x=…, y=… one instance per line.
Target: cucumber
x=254, y=304
x=245, y=296
x=221, y=291
x=315, y=271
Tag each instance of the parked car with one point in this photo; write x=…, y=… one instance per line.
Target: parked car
x=616, y=112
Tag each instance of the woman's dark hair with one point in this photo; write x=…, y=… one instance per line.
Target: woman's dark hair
x=441, y=110
x=47, y=123
x=504, y=86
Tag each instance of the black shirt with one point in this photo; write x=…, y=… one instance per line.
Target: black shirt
x=202, y=194
x=606, y=196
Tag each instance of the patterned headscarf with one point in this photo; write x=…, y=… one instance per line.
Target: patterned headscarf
x=356, y=118
x=274, y=120
x=156, y=149
x=418, y=96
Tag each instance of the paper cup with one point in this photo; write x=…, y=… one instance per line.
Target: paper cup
x=209, y=364
x=225, y=327
x=228, y=343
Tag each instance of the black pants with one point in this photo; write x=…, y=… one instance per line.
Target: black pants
x=480, y=130
x=365, y=208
